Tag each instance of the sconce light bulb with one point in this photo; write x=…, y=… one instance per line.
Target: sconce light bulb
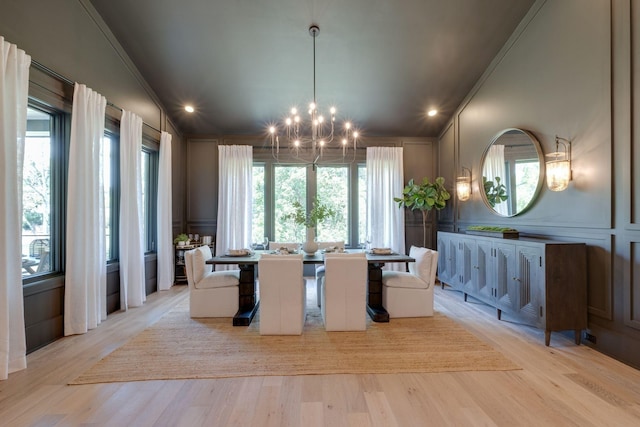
x=558, y=174
x=463, y=188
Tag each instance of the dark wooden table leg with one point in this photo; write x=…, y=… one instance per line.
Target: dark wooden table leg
x=374, y=294
x=247, y=299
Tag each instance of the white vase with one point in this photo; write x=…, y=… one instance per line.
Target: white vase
x=310, y=246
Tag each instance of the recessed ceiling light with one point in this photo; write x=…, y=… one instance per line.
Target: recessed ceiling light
x=189, y=109
x=432, y=113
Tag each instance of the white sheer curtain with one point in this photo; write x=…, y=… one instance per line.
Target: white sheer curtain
x=132, y=286
x=14, y=85
x=85, y=295
x=165, y=226
x=494, y=167
x=385, y=180
x=235, y=195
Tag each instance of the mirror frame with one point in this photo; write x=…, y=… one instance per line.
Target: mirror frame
x=536, y=193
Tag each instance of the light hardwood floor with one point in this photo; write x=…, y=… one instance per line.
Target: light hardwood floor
x=560, y=385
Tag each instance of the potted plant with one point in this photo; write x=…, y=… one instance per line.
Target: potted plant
x=496, y=192
x=319, y=212
x=424, y=197
x=181, y=240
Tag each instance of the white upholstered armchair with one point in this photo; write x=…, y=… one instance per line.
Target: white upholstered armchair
x=344, y=292
x=211, y=293
x=283, y=295
x=411, y=294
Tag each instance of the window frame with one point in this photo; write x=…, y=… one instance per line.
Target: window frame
x=151, y=147
x=60, y=126
x=353, y=211
x=111, y=131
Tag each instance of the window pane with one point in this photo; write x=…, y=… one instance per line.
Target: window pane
x=333, y=190
x=144, y=167
x=290, y=185
x=36, y=197
x=257, y=224
x=527, y=174
x=149, y=172
x=106, y=166
x=362, y=203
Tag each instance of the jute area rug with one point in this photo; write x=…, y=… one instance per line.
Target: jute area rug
x=178, y=347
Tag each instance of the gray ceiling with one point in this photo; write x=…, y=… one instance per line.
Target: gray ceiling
x=244, y=63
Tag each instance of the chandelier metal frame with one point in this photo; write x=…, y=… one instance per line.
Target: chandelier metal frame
x=307, y=140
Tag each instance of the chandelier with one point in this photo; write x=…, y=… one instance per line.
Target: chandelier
x=315, y=137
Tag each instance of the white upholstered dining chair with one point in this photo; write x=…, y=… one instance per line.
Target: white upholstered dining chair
x=211, y=293
x=283, y=294
x=344, y=292
x=411, y=294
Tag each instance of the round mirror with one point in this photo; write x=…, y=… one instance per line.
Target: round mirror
x=512, y=172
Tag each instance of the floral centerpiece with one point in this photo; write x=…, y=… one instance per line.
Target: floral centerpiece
x=319, y=212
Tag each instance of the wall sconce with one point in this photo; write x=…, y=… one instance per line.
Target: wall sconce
x=463, y=185
x=559, y=169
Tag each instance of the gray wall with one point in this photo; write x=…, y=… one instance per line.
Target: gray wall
x=419, y=158
x=568, y=70
x=69, y=38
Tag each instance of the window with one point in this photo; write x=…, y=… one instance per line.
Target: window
x=149, y=170
x=332, y=189
x=110, y=173
x=362, y=203
x=276, y=186
x=527, y=175
x=258, y=221
x=290, y=184
x=42, y=193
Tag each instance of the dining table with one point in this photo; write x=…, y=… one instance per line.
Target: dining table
x=248, y=302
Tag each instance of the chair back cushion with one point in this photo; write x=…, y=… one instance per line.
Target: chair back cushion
x=282, y=294
x=198, y=260
x=424, y=267
x=289, y=245
x=344, y=291
x=339, y=244
x=279, y=270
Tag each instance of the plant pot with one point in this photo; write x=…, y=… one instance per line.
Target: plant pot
x=310, y=246
x=182, y=243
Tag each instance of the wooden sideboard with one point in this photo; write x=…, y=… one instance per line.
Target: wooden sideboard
x=538, y=282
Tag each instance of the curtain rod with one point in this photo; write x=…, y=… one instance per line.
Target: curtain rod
x=59, y=76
